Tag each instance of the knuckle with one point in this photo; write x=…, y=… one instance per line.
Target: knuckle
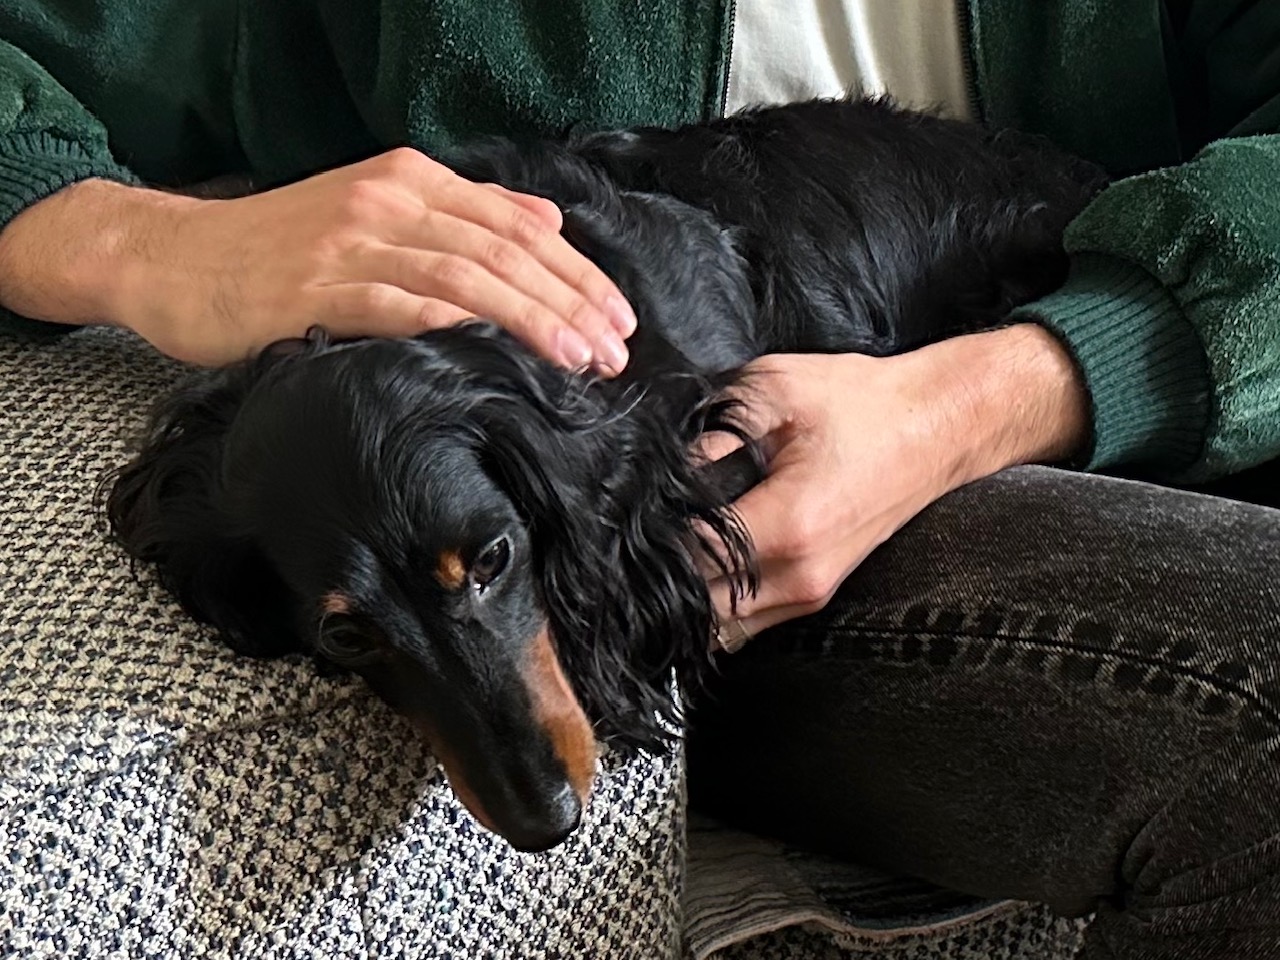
x=589, y=278
x=533, y=317
x=790, y=546
x=585, y=318
x=456, y=277
x=404, y=161
x=357, y=302
x=795, y=541
x=435, y=315
x=371, y=301
x=361, y=200
x=811, y=586
x=596, y=286
x=526, y=229
x=502, y=258
x=436, y=226
x=809, y=527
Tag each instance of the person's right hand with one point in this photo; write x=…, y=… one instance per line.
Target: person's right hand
x=391, y=246
x=858, y=445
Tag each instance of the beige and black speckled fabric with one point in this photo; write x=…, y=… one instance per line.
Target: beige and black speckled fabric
x=163, y=798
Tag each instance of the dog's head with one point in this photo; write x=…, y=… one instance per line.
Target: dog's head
x=500, y=548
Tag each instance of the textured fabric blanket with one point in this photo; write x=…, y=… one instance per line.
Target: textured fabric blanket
x=161, y=797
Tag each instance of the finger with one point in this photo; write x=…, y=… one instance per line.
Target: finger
x=794, y=566
x=753, y=511
x=745, y=630
x=706, y=547
x=715, y=445
x=383, y=310
x=518, y=270
x=544, y=209
x=495, y=212
x=804, y=586
x=774, y=511
x=491, y=278
x=759, y=401
x=709, y=554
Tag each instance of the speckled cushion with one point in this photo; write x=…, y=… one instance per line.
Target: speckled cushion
x=161, y=797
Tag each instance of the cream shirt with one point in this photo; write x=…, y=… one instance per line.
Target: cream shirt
x=787, y=50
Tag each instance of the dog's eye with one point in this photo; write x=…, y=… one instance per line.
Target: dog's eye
x=346, y=643
x=491, y=561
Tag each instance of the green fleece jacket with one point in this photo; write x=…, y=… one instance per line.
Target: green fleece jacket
x=1172, y=308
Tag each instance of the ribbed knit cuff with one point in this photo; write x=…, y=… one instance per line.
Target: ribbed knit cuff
x=35, y=165
x=1141, y=360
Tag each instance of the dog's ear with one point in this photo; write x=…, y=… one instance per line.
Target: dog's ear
x=165, y=507
x=608, y=488
x=539, y=432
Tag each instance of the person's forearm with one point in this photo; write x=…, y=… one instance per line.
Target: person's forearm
x=1015, y=396
x=1169, y=310
x=391, y=246
x=67, y=258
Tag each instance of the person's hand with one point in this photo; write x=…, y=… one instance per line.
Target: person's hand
x=390, y=246
x=856, y=446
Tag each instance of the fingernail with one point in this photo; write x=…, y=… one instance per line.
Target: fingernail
x=621, y=315
x=573, y=348
x=611, y=350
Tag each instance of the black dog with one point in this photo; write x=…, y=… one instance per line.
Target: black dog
x=503, y=549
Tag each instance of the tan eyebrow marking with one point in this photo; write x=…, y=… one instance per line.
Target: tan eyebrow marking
x=335, y=603
x=451, y=572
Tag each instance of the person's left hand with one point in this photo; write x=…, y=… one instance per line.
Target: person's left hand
x=856, y=446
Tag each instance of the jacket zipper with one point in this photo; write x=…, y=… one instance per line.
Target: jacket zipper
x=730, y=30
x=966, y=60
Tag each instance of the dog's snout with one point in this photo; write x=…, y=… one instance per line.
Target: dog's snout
x=520, y=754
x=545, y=823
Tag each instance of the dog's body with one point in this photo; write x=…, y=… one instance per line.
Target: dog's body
x=502, y=548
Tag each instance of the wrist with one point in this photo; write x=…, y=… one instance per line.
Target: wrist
x=76, y=256
x=1017, y=398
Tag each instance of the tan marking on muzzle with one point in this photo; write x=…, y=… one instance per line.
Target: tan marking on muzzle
x=560, y=715
x=451, y=572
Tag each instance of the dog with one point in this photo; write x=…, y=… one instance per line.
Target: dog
x=503, y=549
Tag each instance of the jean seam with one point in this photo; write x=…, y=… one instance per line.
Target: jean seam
x=1217, y=683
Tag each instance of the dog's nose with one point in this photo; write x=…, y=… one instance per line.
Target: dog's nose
x=544, y=825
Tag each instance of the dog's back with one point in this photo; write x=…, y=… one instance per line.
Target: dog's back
x=858, y=226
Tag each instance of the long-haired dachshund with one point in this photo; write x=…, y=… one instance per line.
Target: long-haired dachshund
x=503, y=549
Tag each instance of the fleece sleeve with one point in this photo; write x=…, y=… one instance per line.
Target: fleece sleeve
x=1172, y=312
x=47, y=139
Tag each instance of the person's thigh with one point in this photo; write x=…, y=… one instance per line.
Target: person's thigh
x=1049, y=686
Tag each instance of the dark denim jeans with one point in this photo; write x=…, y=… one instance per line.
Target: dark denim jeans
x=1050, y=687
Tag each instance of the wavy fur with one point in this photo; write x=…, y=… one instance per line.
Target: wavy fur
x=356, y=484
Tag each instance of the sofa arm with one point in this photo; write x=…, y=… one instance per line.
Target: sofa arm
x=162, y=797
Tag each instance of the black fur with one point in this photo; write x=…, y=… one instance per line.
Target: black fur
x=322, y=470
